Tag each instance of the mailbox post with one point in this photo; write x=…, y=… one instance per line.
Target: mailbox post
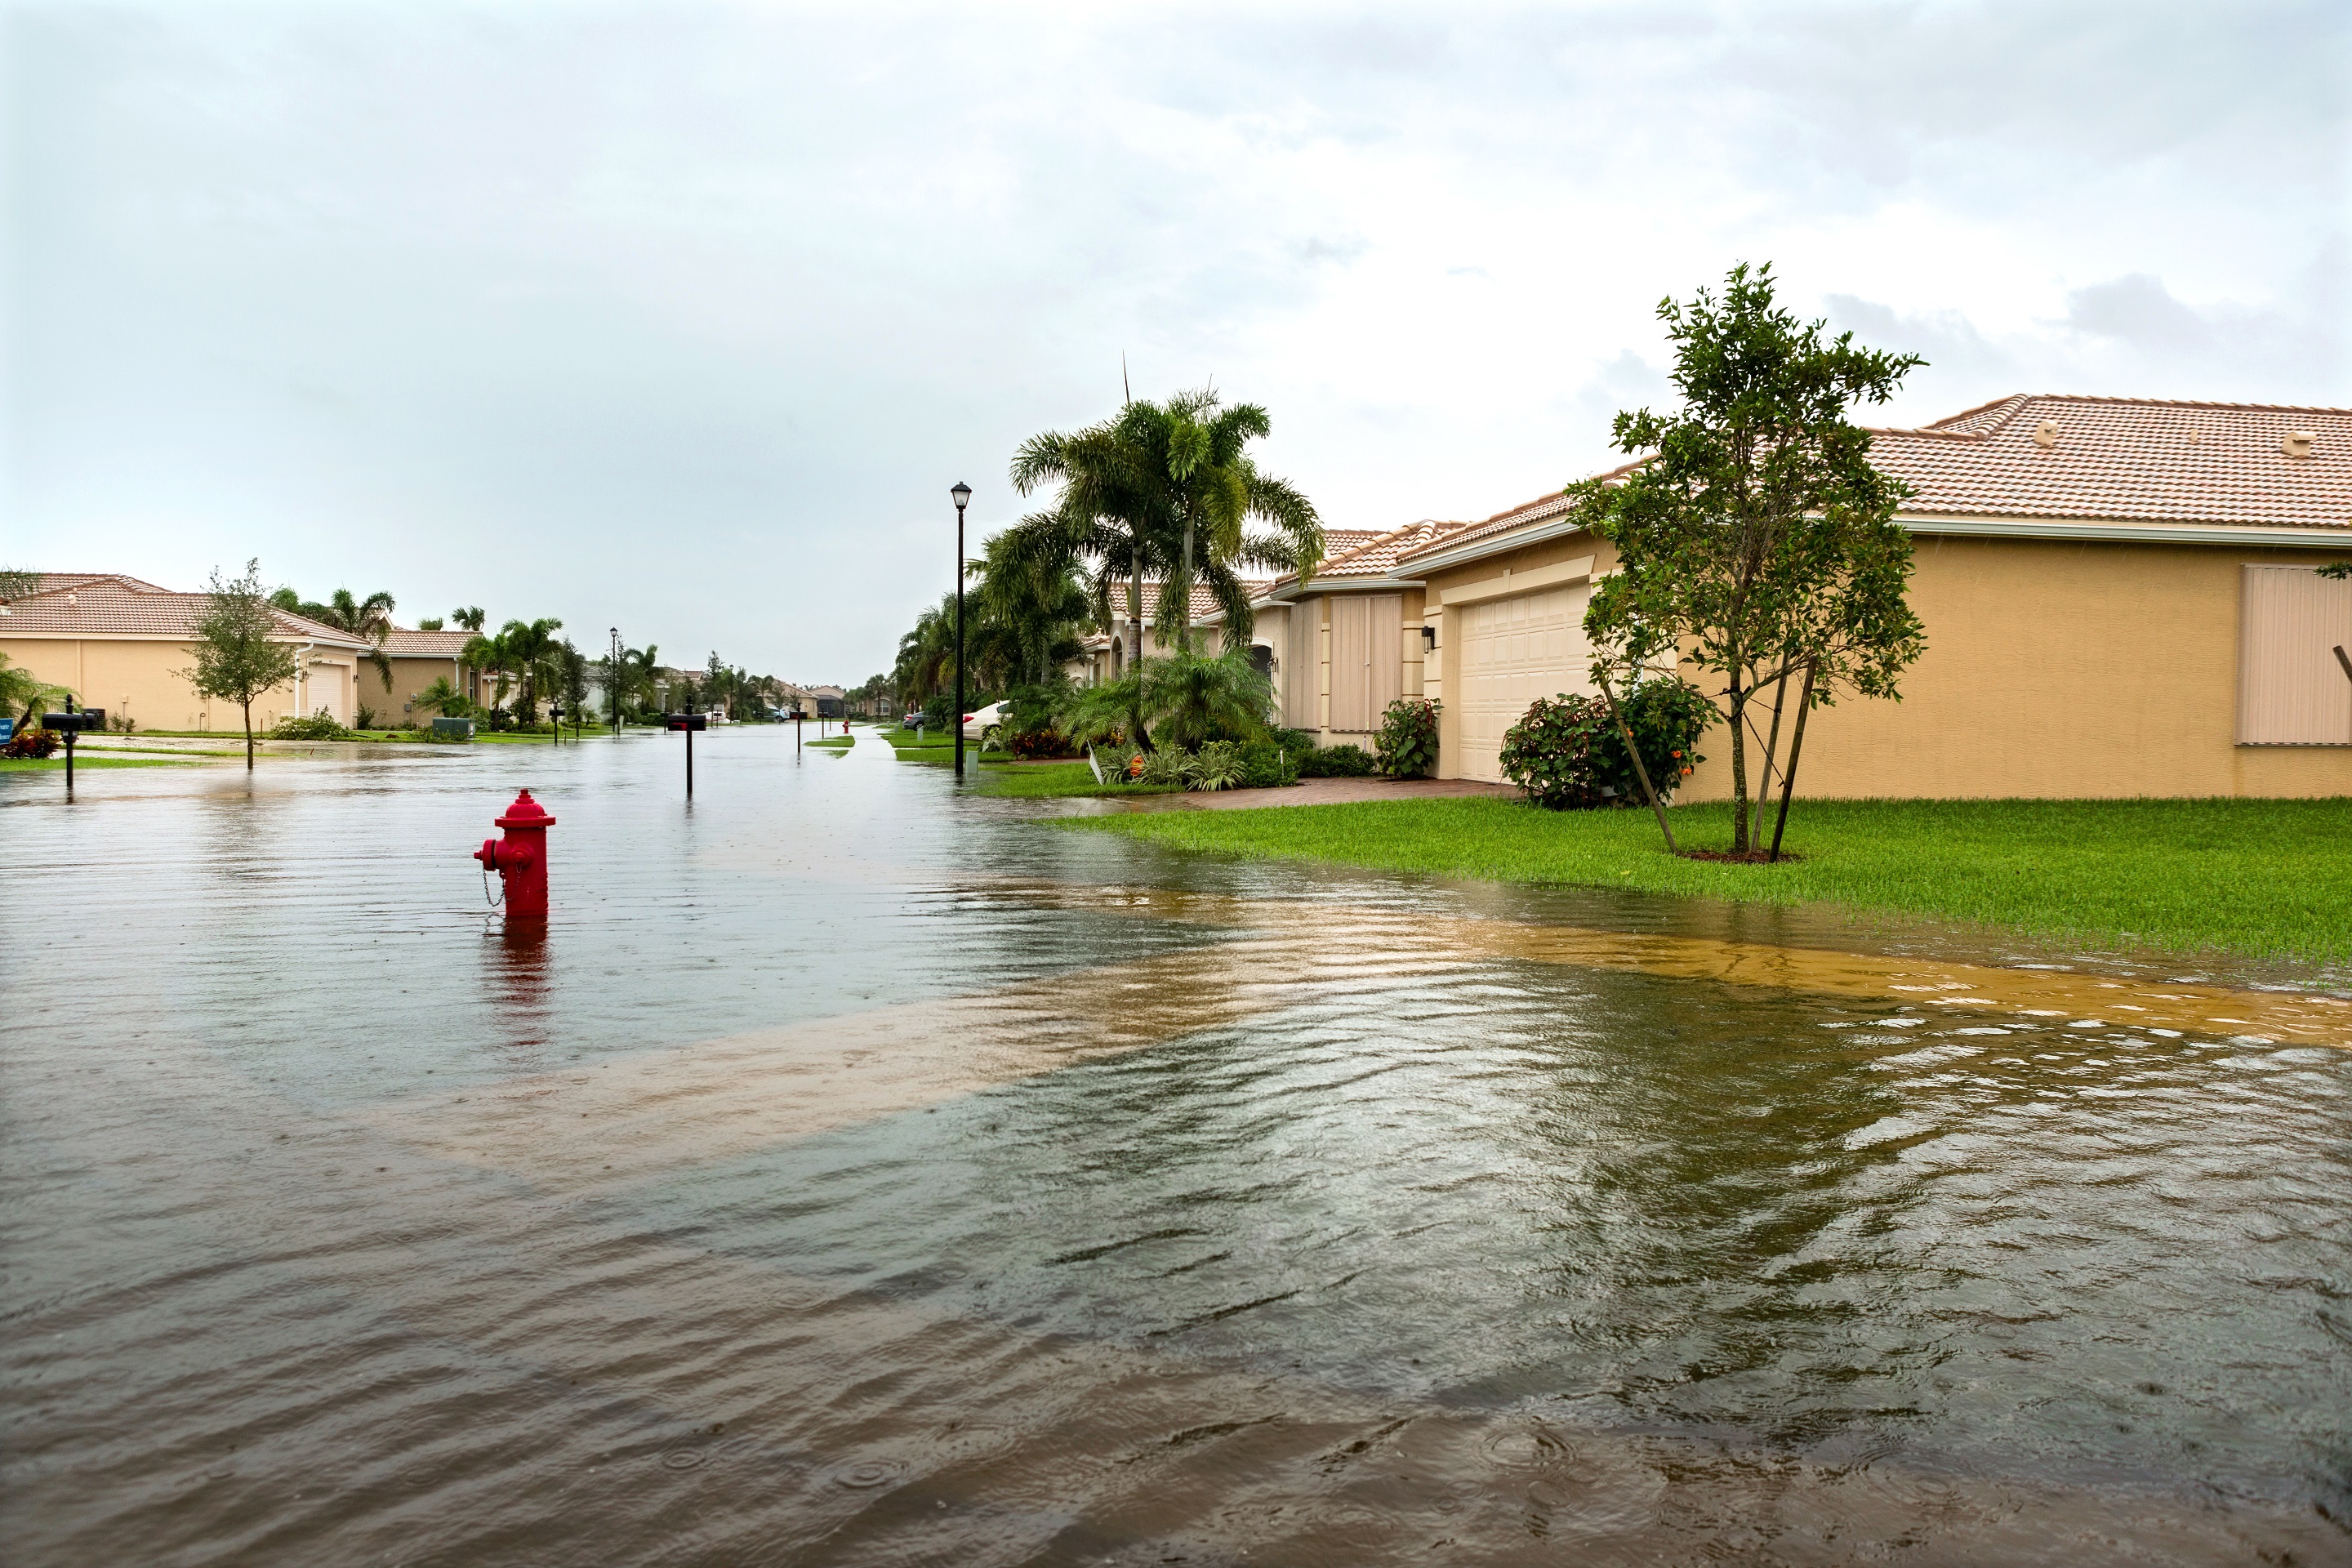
x=689, y=723
x=70, y=724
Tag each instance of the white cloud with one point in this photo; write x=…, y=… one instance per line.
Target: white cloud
x=685, y=316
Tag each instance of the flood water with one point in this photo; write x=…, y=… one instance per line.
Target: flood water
x=857, y=1173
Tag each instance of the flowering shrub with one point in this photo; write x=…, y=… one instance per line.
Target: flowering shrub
x=1567, y=752
x=34, y=742
x=1406, y=747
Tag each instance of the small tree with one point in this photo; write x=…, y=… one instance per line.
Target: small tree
x=1757, y=541
x=238, y=657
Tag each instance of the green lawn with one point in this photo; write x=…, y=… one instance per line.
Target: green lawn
x=2267, y=878
x=835, y=742
x=1043, y=780
x=57, y=765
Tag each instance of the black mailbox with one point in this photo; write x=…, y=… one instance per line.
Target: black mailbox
x=685, y=721
x=87, y=720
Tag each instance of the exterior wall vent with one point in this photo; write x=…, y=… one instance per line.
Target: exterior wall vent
x=2045, y=435
x=2296, y=443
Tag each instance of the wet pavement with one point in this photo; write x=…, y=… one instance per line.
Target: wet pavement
x=858, y=1173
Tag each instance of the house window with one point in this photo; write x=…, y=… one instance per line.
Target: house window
x=2292, y=690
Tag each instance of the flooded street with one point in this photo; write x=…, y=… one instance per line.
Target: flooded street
x=860, y=1173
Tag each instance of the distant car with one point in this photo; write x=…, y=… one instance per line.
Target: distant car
x=987, y=725
x=911, y=721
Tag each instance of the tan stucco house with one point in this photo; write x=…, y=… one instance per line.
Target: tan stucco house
x=120, y=644
x=1347, y=641
x=2120, y=596
x=418, y=658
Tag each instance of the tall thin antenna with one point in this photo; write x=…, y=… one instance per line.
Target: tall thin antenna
x=1126, y=392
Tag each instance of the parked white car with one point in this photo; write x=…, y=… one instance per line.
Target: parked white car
x=987, y=725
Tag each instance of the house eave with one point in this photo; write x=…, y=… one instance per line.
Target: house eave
x=2126, y=531
x=1497, y=544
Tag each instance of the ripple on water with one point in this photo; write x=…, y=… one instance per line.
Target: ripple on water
x=1494, y=1249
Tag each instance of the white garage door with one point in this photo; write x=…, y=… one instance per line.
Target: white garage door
x=1510, y=652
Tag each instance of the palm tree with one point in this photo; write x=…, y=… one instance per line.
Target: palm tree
x=532, y=648
x=637, y=666
x=492, y=657
x=1108, y=512
x=1193, y=700
x=1170, y=486
x=1195, y=452
x=369, y=617
x=469, y=616
x=926, y=655
x=441, y=698
x=20, y=688
x=1030, y=604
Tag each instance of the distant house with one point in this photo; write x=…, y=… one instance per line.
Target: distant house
x=418, y=659
x=2121, y=598
x=1105, y=656
x=1347, y=642
x=123, y=644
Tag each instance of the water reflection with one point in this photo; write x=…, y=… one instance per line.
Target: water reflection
x=518, y=981
x=853, y=1173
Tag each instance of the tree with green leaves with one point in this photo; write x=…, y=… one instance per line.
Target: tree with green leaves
x=1754, y=538
x=1196, y=469
x=1167, y=490
x=239, y=654
x=20, y=688
x=531, y=650
x=1029, y=608
x=572, y=679
x=442, y=697
x=469, y=618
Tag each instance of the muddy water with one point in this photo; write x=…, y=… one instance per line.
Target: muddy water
x=857, y=1175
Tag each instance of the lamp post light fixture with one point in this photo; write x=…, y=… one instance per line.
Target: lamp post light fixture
x=962, y=494
x=612, y=677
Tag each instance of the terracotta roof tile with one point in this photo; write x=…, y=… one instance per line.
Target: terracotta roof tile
x=99, y=605
x=2116, y=459
x=405, y=643
x=2129, y=460
x=1377, y=554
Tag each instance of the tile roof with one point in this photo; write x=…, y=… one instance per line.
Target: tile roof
x=1338, y=542
x=2116, y=459
x=2129, y=460
x=99, y=604
x=1379, y=553
x=405, y=643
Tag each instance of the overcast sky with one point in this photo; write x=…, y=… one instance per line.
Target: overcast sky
x=684, y=318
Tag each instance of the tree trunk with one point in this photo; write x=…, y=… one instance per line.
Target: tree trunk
x=247, y=706
x=1739, y=762
x=1641, y=769
x=1184, y=637
x=1771, y=750
x=1788, y=773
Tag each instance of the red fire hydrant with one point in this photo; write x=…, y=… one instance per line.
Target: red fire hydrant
x=520, y=859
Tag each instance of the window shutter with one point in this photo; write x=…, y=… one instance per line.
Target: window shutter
x=2291, y=690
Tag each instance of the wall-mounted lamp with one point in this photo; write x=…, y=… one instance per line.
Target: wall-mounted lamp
x=1429, y=639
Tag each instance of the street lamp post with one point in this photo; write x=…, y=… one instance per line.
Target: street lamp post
x=612, y=677
x=962, y=494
